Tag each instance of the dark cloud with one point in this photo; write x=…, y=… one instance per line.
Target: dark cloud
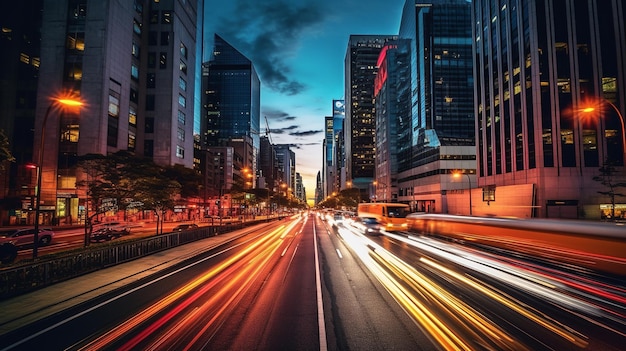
x=269, y=32
x=306, y=133
x=277, y=115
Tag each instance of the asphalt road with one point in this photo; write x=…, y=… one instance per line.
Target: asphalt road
x=305, y=284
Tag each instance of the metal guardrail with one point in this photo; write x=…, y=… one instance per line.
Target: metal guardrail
x=63, y=266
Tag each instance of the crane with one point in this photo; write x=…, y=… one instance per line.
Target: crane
x=267, y=131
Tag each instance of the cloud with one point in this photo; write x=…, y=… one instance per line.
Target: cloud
x=269, y=33
x=306, y=133
x=277, y=115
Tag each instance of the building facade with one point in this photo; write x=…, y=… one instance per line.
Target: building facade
x=132, y=63
x=540, y=67
x=360, y=126
x=442, y=125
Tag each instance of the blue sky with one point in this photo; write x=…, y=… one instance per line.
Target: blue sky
x=298, y=49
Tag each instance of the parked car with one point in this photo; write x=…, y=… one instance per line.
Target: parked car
x=106, y=234
x=368, y=225
x=26, y=237
x=183, y=227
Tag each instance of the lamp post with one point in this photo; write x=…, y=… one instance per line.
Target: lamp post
x=591, y=109
x=469, y=184
x=61, y=102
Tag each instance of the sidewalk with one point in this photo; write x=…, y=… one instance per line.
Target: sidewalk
x=27, y=308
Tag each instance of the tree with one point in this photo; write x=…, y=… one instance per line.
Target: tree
x=5, y=150
x=607, y=178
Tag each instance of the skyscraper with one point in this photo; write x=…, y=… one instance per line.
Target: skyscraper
x=232, y=97
x=540, y=67
x=359, y=129
x=392, y=92
x=133, y=64
x=442, y=126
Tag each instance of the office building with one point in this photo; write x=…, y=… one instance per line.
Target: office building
x=392, y=95
x=232, y=98
x=359, y=128
x=442, y=126
x=132, y=63
x=550, y=100
x=19, y=72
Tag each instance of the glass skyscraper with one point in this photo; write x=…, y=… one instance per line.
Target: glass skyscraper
x=539, y=65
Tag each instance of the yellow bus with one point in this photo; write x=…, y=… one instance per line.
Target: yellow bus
x=392, y=216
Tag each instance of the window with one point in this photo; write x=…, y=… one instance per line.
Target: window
x=154, y=17
x=182, y=84
x=149, y=125
x=135, y=50
x=150, y=102
x=131, y=141
x=75, y=42
x=136, y=27
x=181, y=134
x=132, y=116
x=134, y=72
x=180, y=151
x=183, y=50
x=182, y=101
x=165, y=38
x=73, y=71
x=152, y=60
x=163, y=60
x=114, y=104
x=134, y=96
x=181, y=117
x=148, y=148
x=151, y=80
x=70, y=133
x=166, y=17
x=183, y=67
x=153, y=37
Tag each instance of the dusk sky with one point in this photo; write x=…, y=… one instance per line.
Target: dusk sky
x=298, y=49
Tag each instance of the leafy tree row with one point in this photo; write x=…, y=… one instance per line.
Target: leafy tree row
x=129, y=181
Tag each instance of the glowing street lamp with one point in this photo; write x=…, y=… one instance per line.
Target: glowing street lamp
x=60, y=102
x=592, y=109
x=469, y=181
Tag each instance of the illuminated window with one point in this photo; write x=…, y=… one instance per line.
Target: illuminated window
x=24, y=58
x=132, y=116
x=166, y=17
x=69, y=133
x=114, y=105
x=134, y=72
x=131, y=141
x=180, y=151
x=163, y=60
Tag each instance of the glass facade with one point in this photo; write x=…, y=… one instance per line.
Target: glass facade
x=232, y=96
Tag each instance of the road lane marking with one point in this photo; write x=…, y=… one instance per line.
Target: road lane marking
x=320, y=303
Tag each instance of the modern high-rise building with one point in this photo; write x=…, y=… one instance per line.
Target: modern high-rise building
x=19, y=72
x=359, y=128
x=132, y=63
x=232, y=97
x=392, y=95
x=442, y=125
x=287, y=167
x=550, y=89
x=333, y=165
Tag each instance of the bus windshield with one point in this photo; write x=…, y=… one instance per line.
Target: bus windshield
x=397, y=212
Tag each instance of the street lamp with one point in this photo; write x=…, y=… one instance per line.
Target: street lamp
x=591, y=109
x=62, y=102
x=469, y=181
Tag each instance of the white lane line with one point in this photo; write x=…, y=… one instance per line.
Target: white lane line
x=320, y=303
